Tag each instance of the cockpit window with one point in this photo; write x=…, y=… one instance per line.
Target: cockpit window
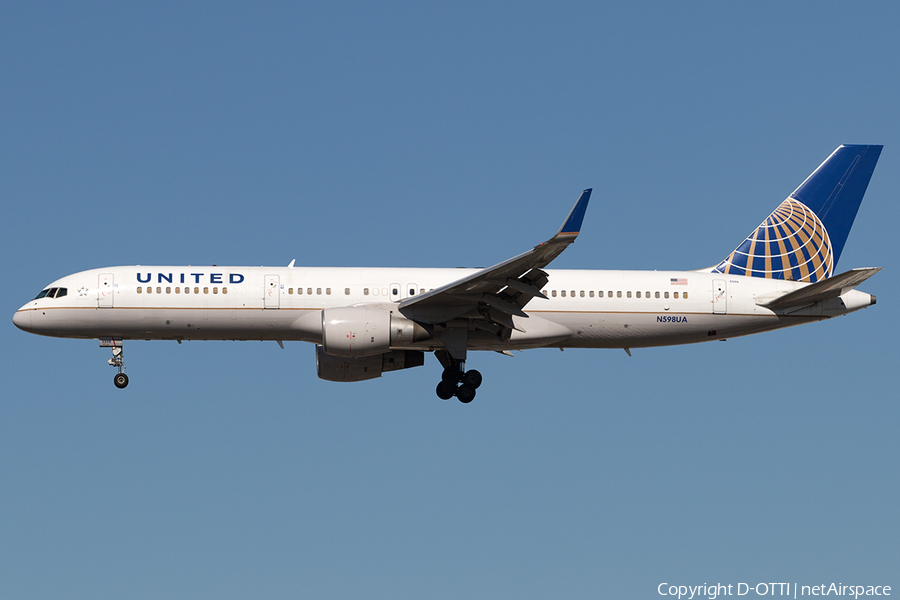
x=52, y=293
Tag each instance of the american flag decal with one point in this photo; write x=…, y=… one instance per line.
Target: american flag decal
x=678, y=281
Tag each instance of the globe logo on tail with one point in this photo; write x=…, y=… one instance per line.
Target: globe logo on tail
x=791, y=243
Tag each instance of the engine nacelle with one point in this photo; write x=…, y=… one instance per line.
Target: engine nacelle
x=357, y=331
x=336, y=368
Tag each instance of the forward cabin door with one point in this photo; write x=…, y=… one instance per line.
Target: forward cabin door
x=720, y=297
x=105, y=289
x=272, y=292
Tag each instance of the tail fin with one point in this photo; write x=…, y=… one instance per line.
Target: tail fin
x=803, y=238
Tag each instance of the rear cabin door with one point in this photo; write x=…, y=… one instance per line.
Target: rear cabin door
x=105, y=290
x=720, y=297
x=272, y=292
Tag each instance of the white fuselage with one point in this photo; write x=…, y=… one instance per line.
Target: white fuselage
x=584, y=308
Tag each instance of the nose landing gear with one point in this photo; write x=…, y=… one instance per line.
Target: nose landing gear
x=120, y=379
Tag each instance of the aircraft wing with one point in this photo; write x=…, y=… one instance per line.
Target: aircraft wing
x=495, y=294
x=823, y=290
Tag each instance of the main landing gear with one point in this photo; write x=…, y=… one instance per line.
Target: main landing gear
x=120, y=379
x=456, y=381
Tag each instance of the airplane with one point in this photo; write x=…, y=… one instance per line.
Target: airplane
x=368, y=321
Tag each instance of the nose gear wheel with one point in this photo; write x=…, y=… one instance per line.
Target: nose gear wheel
x=120, y=379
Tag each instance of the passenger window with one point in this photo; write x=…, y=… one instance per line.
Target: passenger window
x=159, y=290
x=638, y=294
x=553, y=293
x=395, y=292
x=365, y=291
x=224, y=290
x=609, y=294
x=573, y=293
x=309, y=291
x=290, y=291
x=563, y=293
x=215, y=290
x=657, y=294
x=666, y=295
x=582, y=293
x=206, y=290
x=318, y=291
x=675, y=295
x=684, y=296
x=138, y=289
x=196, y=290
x=168, y=290
x=618, y=294
x=591, y=293
x=346, y=291
x=149, y=290
x=62, y=292
x=327, y=291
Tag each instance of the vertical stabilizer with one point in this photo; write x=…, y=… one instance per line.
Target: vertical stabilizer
x=803, y=238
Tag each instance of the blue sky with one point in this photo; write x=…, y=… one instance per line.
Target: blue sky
x=410, y=134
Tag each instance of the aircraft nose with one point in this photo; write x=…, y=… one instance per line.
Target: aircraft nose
x=22, y=319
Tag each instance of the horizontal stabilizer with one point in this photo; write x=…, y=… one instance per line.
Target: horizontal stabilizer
x=826, y=289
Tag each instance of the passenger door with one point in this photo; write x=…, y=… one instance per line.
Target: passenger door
x=105, y=289
x=272, y=292
x=720, y=297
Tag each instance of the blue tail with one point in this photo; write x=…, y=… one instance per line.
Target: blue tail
x=803, y=239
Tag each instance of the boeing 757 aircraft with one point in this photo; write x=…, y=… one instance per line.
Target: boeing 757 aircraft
x=367, y=321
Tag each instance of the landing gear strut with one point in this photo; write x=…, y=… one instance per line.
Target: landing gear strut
x=120, y=379
x=456, y=381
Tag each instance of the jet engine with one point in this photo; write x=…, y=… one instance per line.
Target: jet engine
x=359, y=331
